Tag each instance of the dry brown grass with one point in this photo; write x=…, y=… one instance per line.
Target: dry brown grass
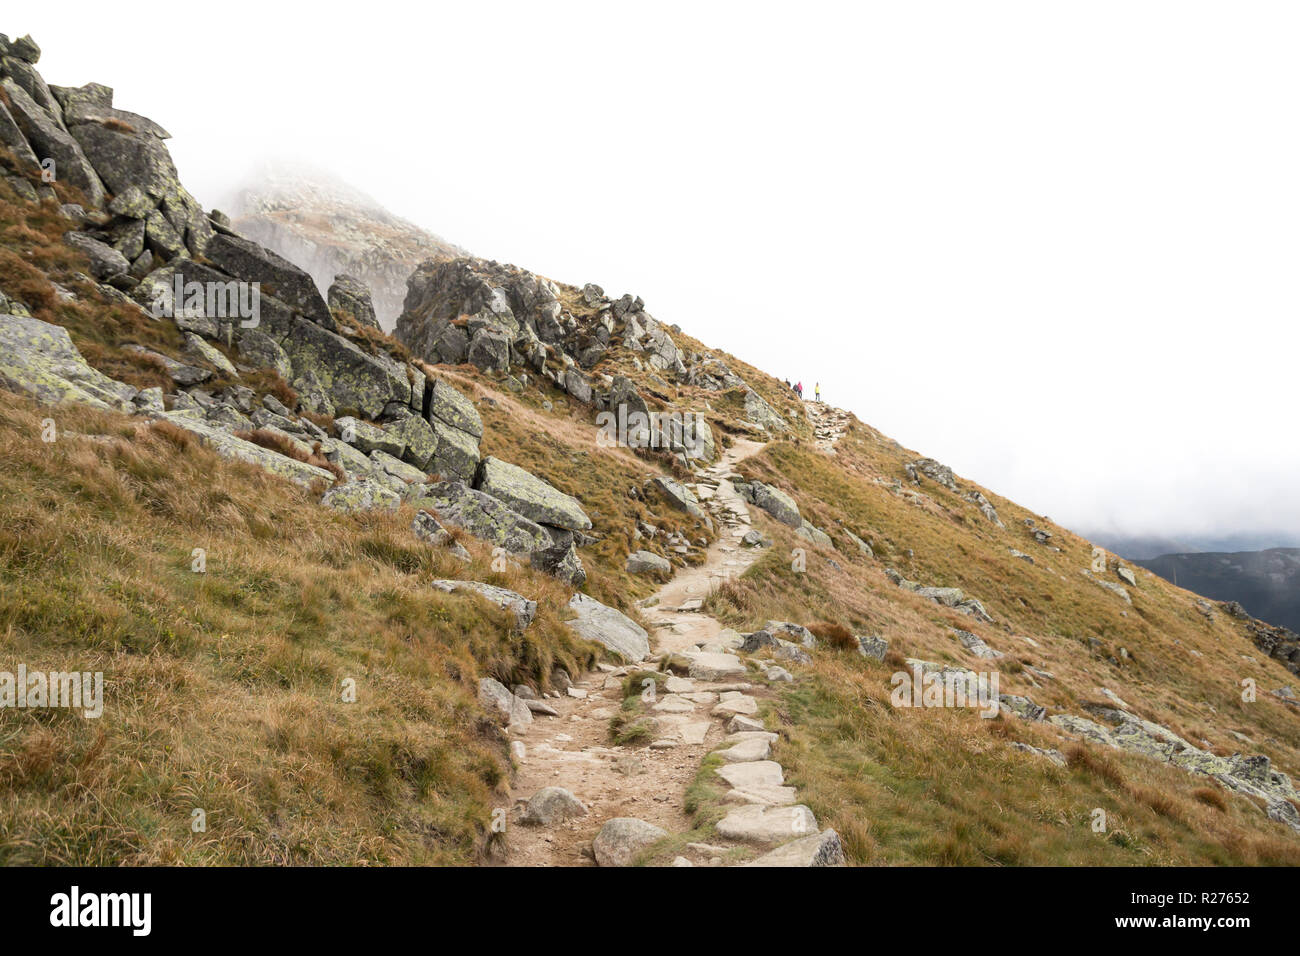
x=222, y=689
x=284, y=445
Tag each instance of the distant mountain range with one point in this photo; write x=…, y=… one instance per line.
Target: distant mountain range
x=1145, y=547
x=1265, y=583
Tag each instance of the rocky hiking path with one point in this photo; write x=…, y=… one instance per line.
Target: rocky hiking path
x=616, y=799
x=829, y=424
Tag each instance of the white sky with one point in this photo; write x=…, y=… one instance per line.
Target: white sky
x=1053, y=245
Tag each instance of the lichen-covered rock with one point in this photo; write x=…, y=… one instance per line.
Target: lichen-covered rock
x=353, y=378
x=483, y=516
x=49, y=140
x=259, y=350
x=530, y=496
x=678, y=495
x=253, y=263
x=418, y=439
x=873, y=647
x=523, y=609
x=609, y=627
x=456, y=454
x=453, y=409
x=105, y=261
x=362, y=494
x=201, y=350
x=352, y=296
x=39, y=359
x=762, y=414
x=220, y=440
x=368, y=437
x=426, y=528
x=776, y=503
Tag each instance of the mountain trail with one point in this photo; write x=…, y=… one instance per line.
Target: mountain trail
x=644, y=780
x=829, y=424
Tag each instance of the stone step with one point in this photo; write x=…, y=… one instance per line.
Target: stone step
x=755, y=823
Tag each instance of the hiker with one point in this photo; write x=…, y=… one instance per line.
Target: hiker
x=798, y=389
x=817, y=391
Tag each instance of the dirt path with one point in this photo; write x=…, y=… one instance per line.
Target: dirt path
x=644, y=780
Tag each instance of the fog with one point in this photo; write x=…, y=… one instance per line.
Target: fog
x=1054, y=247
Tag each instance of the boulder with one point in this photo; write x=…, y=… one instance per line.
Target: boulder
x=709, y=665
x=259, y=350
x=227, y=445
x=352, y=296
x=776, y=503
x=761, y=413
x=418, y=438
x=873, y=647
x=49, y=140
x=201, y=350
x=530, y=496
x=608, y=627
x=621, y=839
x=561, y=561
x=820, y=849
x=489, y=350
x=523, y=609
x=426, y=528
x=647, y=562
x=368, y=437
x=483, y=516
x=678, y=495
x=11, y=135
x=250, y=262
x=361, y=494
x=453, y=409
x=25, y=49
x=40, y=360
x=352, y=377
x=456, y=454
x=551, y=805
x=105, y=261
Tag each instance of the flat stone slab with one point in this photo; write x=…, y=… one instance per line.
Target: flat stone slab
x=747, y=751
x=704, y=697
x=693, y=732
x=739, y=705
x=754, y=823
x=742, y=724
x=679, y=685
x=737, y=736
x=764, y=796
x=709, y=666
x=758, y=773
x=673, y=704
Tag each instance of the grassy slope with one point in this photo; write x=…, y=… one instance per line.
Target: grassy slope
x=223, y=688
x=934, y=786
